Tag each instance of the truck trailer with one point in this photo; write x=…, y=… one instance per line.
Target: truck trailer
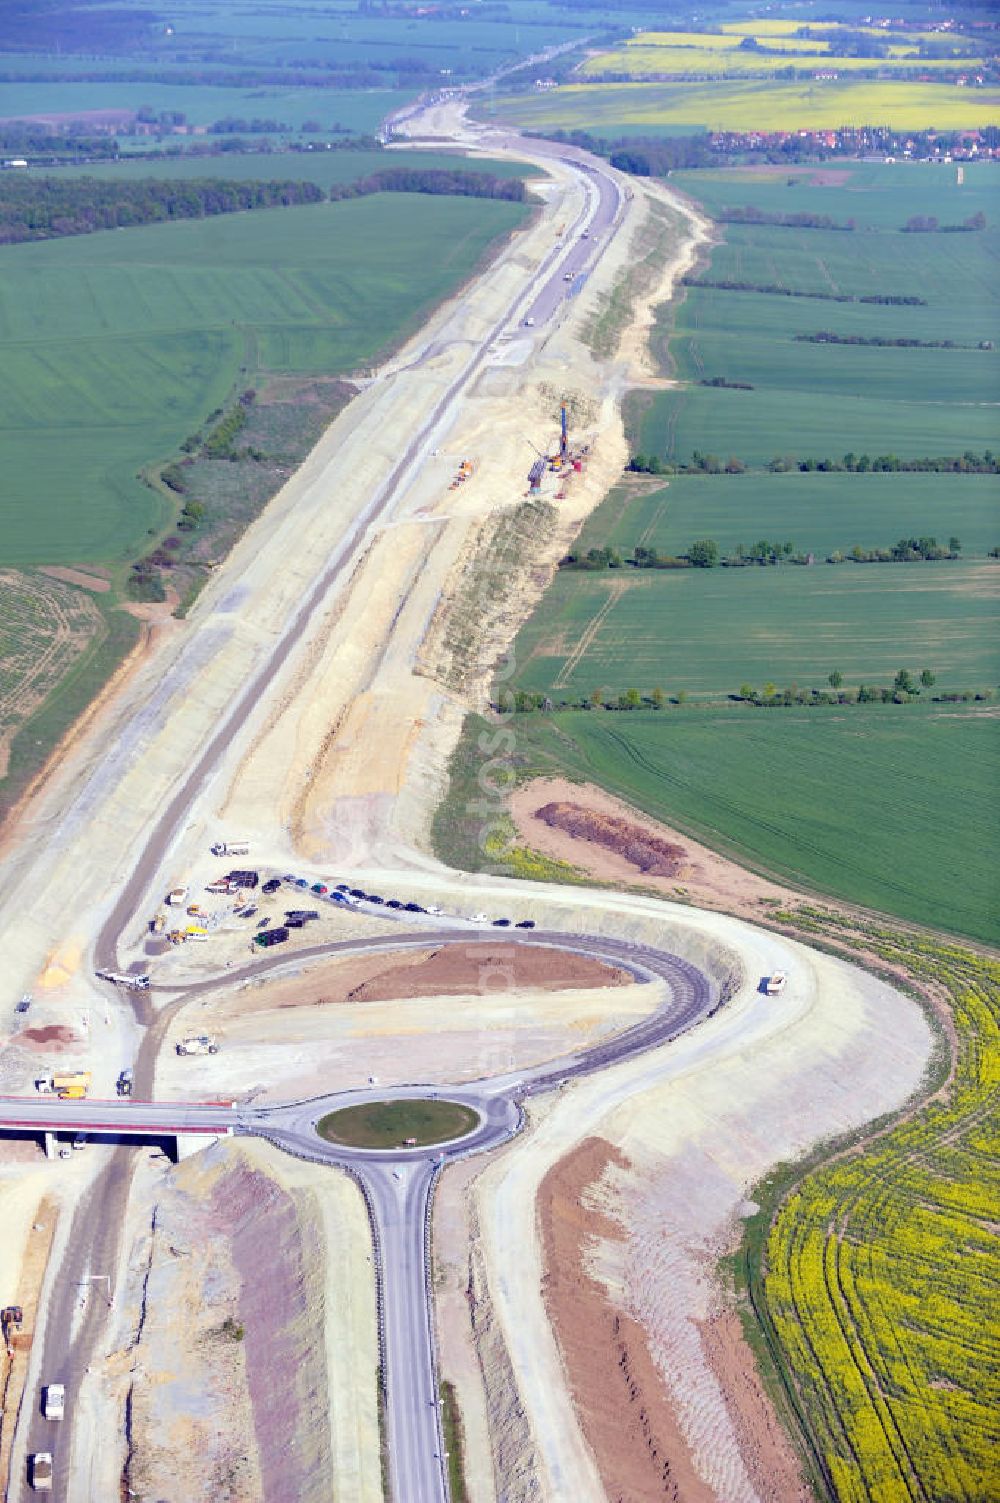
x=199, y=1044
x=231, y=848
x=54, y=1401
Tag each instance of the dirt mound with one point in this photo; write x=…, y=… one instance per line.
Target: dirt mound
x=456, y=970
x=50, y=1037
x=650, y=853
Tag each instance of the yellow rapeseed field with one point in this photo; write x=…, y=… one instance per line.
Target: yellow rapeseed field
x=802, y=104
x=645, y=62
x=881, y=1268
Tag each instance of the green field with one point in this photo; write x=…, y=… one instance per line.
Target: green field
x=889, y=806
x=823, y=400
x=764, y=105
x=358, y=111
x=818, y=513
x=115, y=346
x=387, y=1124
x=707, y=631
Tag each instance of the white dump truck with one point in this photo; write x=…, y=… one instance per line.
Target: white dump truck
x=40, y=1466
x=54, y=1401
x=198, y=1044
x=231, y=848
x=775, y=984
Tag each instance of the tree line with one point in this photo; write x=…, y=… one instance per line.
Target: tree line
x=45, y=208
x=926, y=224
x=878, y=341
x=434, y=180
x=750, y=214
x=904, y=689
x=705, y=553
x=969, y=463
x=728, y=284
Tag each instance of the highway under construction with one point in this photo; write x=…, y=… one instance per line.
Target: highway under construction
x=297, y=715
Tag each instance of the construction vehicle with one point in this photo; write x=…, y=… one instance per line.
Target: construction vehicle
x=54, y=1401
x=72, y=1086
x=40, y=1470
x=177, y=896
x=231, y=848
x=775, y=984
x=159, y=923
x=194, y=909
x=138, y=983
x=198, y=1044
x=11, y=1321
x=194, y=931
x=176, y=936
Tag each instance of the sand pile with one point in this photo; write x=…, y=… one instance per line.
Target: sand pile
x=650, y=853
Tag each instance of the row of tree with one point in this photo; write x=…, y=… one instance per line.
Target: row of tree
x=729, y=284
x=926, y=224
x=751, y=214
x=904, y=689
x=705, y=553
x=881, y=341
x=44, y=208
x=969, y=463
x=906, y=551
x=434, y=180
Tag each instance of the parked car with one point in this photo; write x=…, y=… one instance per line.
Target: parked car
x=272, y=885
x=525, y=924
x=394, y=903
x=501, y=923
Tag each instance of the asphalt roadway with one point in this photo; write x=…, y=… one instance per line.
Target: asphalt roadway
x=397, y=1184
